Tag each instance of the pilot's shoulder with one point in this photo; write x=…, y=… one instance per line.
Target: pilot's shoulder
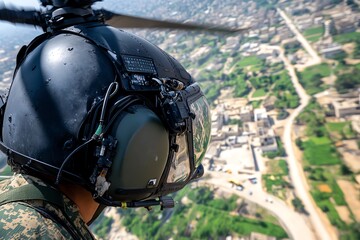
x=21, y=221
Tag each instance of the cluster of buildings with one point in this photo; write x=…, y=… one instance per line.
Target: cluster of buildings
x=267, y=26
x=252, y=128
x=310, y=14
x=334, y=18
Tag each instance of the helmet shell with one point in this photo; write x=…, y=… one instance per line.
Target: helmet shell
x=58, y=81
x=51, y=92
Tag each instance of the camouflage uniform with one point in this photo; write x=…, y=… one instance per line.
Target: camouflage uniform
x=23, y=220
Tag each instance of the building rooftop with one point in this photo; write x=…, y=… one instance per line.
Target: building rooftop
x=348, y=103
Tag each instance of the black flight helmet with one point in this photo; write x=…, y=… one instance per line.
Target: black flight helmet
x=93, y=105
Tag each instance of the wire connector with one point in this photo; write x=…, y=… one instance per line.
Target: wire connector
x=101, y=185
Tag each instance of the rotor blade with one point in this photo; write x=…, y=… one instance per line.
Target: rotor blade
x=125, y=21
x=32, y=17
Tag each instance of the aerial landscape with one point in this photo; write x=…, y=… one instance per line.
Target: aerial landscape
x=284, y=156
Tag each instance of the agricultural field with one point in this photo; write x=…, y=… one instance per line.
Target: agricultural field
x=311, y=77
x=324, y=167
x=340, y=130
x=250, y=63
x=275, y=181
x=259, y=93
x=314, y=34
x=347, y=37
x=320, y=151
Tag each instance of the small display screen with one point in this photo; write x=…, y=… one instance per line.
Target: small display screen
x=139, y=64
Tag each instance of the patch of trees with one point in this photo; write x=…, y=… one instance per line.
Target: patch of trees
x=348, y=81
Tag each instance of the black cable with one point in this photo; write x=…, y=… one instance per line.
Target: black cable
x=113, y=118
x=108, y=95
x=117, y=103
x=58, y=176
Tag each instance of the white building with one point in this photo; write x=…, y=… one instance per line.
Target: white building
x=260, y=113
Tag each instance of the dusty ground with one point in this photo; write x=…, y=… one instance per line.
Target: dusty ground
x=351, y=144
x=352, y=197
x=226, y=93
x=299, y=131
x=327, y=96
x=352, y=61
x=352, y=160
x=329, y=80
x=350, y=153
x=349, y=47
x=344, y=214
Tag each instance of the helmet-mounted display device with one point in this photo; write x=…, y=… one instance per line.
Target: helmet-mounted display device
x=129, y=127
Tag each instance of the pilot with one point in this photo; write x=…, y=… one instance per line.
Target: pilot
x=95, y=117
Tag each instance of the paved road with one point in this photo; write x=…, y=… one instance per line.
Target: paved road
x=314, y=55
x=293, y=222
x=296, y=172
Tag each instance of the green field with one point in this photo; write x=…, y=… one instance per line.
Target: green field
x=272, y=181
x=249, y=61
x=254, y=63
x=342, y=128
x=347, y=37
x=327, y=200
x=278, y=167
x=275, y=181
x=327, y=207
x=314, y=31
x=320, y=151
x=320, y=140
x=322, y=69
x=323, y=165
x=314, y=38
x=259, y=93
x=337, y=127
x=314, y=34
x=310, y=78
